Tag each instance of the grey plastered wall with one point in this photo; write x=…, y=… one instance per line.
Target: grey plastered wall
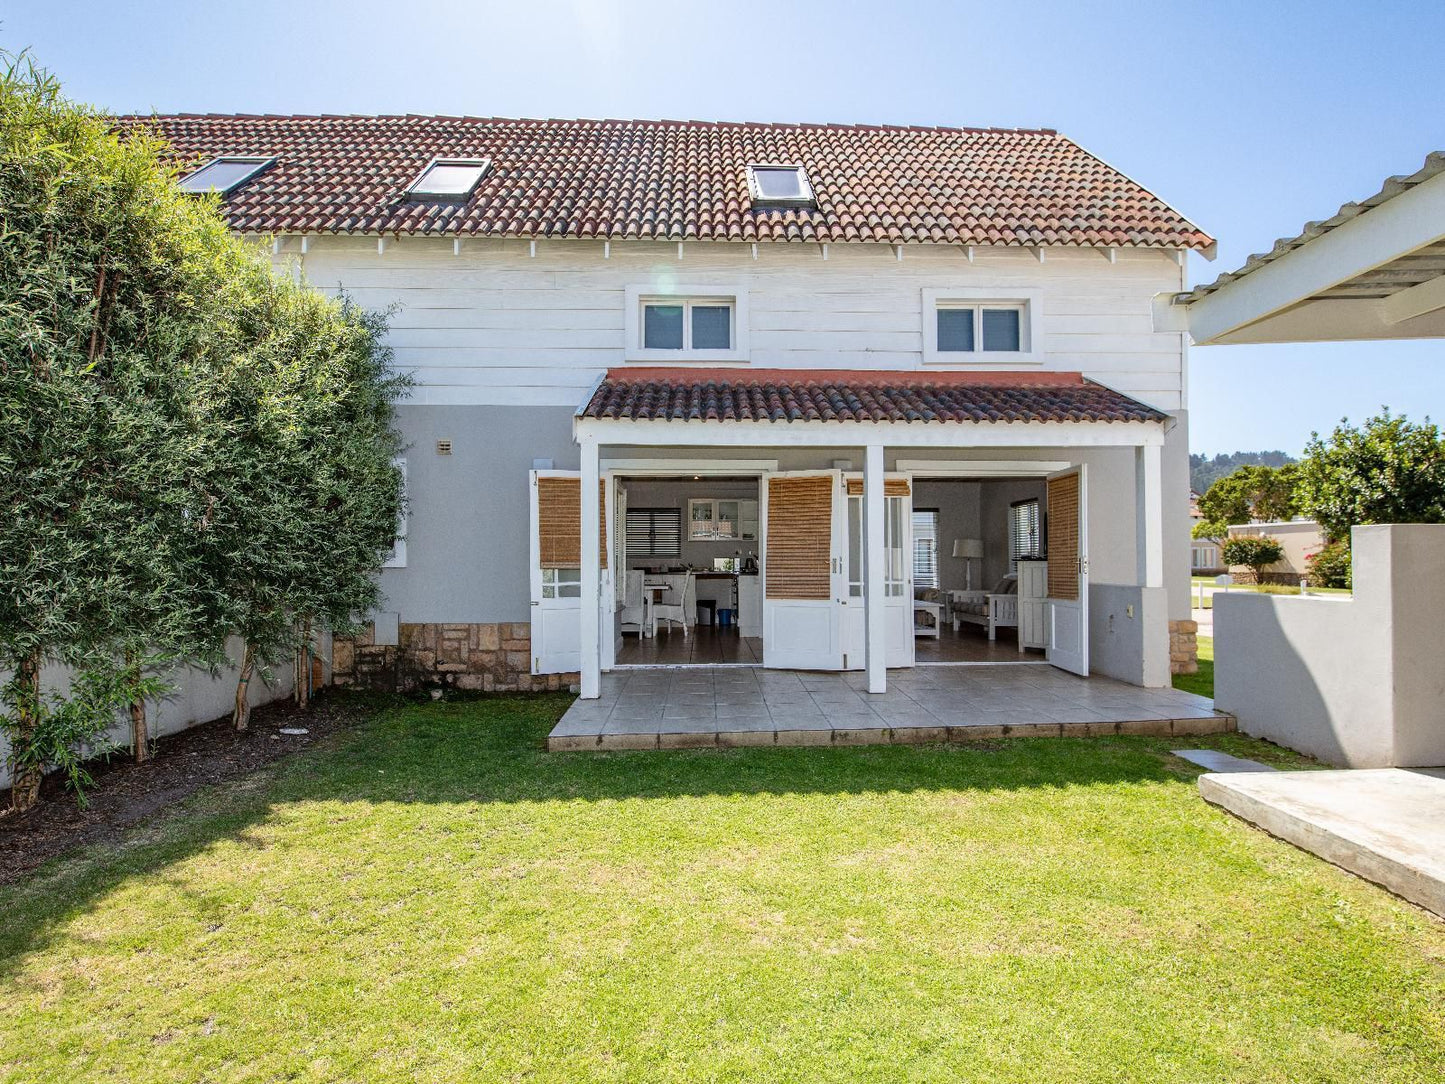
x=1129, y=634
x=1356, y=681
x=468, y=512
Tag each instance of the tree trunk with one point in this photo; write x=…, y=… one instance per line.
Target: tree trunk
x=139, y=730
x=25, y=788
x=242, y=715
x=303, y=668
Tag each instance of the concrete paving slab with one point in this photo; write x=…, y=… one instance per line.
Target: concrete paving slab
x=1386, y=825
x=1223, y=763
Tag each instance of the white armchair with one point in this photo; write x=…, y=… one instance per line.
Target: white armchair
x=993, y=610
x=680, y=603
x=634, y=606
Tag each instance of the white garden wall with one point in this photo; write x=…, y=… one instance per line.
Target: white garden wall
x=1357, y=681
x=199, y=698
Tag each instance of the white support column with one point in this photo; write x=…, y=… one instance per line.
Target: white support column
x=1149, y=505
x=591, y=575
x=874, y=576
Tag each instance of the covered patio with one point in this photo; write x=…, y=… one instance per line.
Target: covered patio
x=730, y=706
x=837, y=594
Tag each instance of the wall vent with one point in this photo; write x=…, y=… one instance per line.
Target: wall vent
x=444, y=447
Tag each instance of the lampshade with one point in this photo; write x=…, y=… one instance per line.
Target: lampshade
x=968, y=547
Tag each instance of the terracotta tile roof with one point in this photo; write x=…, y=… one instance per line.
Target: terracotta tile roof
x=679, y=180
x=790, y=395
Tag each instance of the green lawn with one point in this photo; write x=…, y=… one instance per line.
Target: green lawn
x=1202, y=682
x=435, y=898
x=1273, y=589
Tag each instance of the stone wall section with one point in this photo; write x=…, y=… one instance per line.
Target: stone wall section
x=490, y=658
x=1183, y=647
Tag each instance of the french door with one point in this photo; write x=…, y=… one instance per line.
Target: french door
x=897, y=574
x=1068, y=576
x=804, y=579
x=556, y=572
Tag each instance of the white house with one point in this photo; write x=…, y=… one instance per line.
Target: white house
x=879, y=362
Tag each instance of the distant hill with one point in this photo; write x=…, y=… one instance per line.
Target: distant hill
x=1205, y=470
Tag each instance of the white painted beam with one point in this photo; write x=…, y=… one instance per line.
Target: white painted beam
x=1149, y=510
x=591, y=575
x=874, y=595
x=823, y=434
x=1410, y=221
x=1416, y=301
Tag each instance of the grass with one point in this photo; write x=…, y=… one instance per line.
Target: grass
x=1258, y=589
x=1203, y=681
x=435, y=898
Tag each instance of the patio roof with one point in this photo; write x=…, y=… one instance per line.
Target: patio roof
x=1374, y=270
x=783, y=396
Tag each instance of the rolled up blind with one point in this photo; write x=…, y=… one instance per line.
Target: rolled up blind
x=1063, y=496
x=559, y=522
x=800, y=538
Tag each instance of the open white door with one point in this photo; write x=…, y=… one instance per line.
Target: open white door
x=1067, y=606
x=898, y=569
x=556, y=564
x=804, y=581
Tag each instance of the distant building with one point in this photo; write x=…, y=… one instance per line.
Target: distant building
x=1204, y=558
x=1301, y=539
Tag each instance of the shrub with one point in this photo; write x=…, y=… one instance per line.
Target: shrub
x=1255, y=551
x=1330, y=567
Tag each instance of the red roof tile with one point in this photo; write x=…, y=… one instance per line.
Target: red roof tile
x=790, y=395
x=676, y=180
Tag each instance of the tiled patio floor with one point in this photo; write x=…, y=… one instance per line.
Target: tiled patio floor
x=730, y=706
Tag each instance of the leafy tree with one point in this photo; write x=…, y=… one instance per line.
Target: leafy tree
x=306, y=494
x=1254, y=551
x=111, y=283
x=1389, y=470
x=1205, y=470
x=1251, y=493
x=1330, y=567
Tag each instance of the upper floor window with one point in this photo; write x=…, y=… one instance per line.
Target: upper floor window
x=224, y=174
x=448, y=178
x=685, y=323
x=966, y=328
x=969, y=325
x=779, y=184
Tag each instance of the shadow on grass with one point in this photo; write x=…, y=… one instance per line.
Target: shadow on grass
x=493, y=750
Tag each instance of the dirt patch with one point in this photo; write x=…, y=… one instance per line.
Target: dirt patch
x=126, y=793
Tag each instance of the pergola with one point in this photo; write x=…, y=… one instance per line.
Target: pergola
x=1375, y=270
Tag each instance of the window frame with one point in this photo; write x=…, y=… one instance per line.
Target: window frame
x=687, y=295
x=1026, y=302
x=687, y=304
x=259, y=163
x=936, y=513
x=652, y=512
x=806, y=198
x=484, y=166
x=1040, y=549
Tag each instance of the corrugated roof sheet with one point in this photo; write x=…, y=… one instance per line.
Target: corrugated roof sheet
x=679, y=180
x=847, y=395
x=1395, y=186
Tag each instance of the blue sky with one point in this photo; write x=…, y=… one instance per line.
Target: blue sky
x=1251, y=118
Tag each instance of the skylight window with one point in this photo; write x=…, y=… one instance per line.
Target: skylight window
x=223, y=174
x=448, y=178
x=779, y=184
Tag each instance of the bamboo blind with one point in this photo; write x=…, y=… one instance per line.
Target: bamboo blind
x=892, y=487
x=1063, y=521
x=800, y=538
x=559, y=522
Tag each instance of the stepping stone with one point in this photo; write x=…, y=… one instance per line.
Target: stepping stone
x=1215, y=761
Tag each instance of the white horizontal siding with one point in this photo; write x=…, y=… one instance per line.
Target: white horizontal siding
x=496, y=325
